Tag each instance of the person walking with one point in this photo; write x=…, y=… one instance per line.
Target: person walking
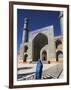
x=39, y=67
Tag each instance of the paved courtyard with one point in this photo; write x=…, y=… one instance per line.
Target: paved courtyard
x=27, y=71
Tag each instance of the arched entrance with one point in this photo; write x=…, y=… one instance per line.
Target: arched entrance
x=44, y=55
x=58, y=42
x=59, y=54
x=38, y=43
x=25, y=57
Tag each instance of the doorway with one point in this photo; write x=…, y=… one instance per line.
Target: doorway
x=44, y=55
x=59, y=54
x=25, y=57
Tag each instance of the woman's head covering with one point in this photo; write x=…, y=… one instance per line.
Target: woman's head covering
x=39, y=60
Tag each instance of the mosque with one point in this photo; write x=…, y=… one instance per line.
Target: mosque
x=41, y=44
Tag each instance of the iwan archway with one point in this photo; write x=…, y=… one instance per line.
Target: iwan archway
x=38, y=43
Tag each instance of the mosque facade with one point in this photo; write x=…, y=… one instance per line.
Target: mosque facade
x=41, y=44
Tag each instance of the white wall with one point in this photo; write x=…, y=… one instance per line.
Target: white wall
x=4, y=44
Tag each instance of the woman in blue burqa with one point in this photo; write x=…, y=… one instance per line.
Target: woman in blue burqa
x=39, y=67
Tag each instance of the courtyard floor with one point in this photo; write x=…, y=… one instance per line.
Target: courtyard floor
x=27, y=71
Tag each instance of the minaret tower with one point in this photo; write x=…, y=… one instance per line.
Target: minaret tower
x=25, y=40
x=25, y=30
x=61, y=21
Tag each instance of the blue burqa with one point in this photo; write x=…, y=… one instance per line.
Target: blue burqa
x=39, y=68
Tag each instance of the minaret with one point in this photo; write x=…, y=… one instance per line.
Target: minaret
x=61, y=21
x=25, y=31
x=25, y=40
x=24, y=45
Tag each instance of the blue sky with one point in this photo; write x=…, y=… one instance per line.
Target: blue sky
x=37, y=19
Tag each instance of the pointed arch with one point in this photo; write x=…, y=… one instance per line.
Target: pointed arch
x=44, y=55
x=25, y=57
x=38, y=42
x=59, y=54
x=58, y=42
